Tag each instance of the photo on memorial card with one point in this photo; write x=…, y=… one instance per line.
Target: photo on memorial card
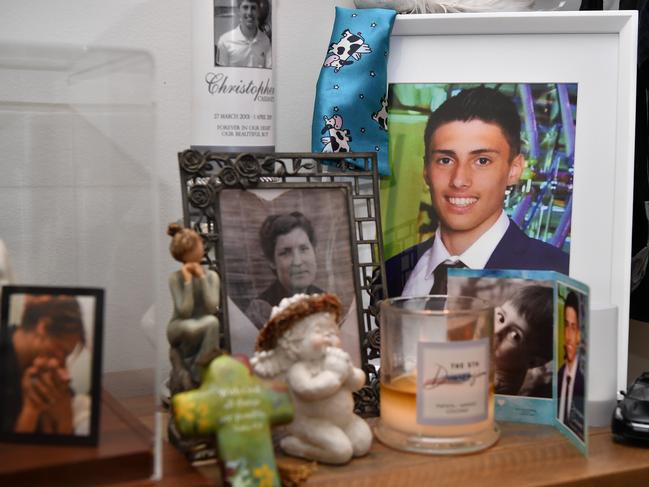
x=572, y=357
x=282, y=240
x=482, y=171
x=523, y=338
x=51, y=364
x=242, y=33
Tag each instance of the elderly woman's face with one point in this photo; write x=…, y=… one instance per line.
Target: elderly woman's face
x=294, y=260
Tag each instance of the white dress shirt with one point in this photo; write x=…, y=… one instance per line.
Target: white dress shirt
x=234, y=49
x=421, y=278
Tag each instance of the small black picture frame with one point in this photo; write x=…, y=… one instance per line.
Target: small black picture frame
x=51, y=347
x=305, y=181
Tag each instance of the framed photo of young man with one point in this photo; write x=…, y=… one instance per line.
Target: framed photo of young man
x=484, y=179
x=518, y=137
x=572, y=350
x=50, y=372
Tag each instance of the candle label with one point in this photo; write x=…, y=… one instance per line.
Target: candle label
x=452, y=382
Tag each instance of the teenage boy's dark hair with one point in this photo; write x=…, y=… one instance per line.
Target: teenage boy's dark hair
x=572, y=301
x=534, y=304
x=258, y=2
x=481, y=103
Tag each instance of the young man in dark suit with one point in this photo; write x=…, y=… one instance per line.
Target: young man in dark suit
x=570, y=377
x=472, y=154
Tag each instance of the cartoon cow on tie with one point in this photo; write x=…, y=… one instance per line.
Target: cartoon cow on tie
x=349, y=46
x=337, y=138
x=381, y=117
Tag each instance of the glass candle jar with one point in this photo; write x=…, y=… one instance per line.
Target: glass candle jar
x=437, y=392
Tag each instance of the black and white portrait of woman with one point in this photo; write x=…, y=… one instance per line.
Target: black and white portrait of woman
x=289, y=243
x=277, y=243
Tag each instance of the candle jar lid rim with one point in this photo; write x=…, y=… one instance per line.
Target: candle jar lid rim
x=476, y=305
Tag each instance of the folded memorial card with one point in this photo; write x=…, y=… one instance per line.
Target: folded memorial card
x=540, y=345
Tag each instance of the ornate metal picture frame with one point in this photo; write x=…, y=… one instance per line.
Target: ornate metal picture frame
x=225, y=198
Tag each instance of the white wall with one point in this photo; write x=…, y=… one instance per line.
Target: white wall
x=88, y=169
x=300, y=41
x=90, y=194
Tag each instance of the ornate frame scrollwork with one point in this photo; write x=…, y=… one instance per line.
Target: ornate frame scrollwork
x=204, y=174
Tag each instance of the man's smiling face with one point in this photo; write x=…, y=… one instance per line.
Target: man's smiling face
x=572, y=334
x=248, y=11
x=467, y=169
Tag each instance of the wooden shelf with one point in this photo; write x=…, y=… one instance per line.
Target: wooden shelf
x=124, y=453
x=526, y=455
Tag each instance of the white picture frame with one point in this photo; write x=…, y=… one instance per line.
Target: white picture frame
x=597, y=50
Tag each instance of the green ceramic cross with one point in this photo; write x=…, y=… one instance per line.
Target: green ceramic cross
x=239, y=409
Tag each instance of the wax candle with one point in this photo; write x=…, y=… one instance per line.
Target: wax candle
x=437, y=393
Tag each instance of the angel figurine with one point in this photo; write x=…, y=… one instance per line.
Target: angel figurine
x=300, y=344
x=193, y=331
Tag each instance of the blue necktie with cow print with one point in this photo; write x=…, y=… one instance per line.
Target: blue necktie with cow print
x=350, y=112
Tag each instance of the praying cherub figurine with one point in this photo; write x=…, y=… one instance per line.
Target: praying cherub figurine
x=300, y=344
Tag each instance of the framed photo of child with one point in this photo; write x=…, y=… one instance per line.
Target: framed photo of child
x=523, y=338
x=523, y=335
x=50, y=375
